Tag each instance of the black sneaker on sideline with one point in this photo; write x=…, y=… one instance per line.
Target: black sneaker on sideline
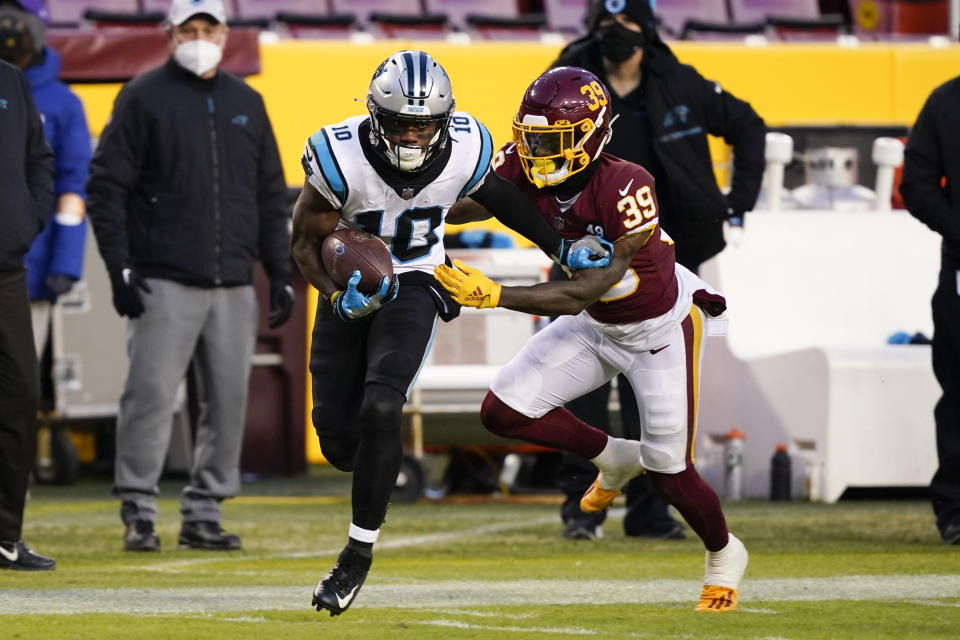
x=338, y=589
x=140, y=536
x=666, y=530
x=207, y=535
x=18, y=556
x=582, y=529
x=951, y=533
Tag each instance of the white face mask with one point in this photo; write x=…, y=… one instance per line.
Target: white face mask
x=198, y=56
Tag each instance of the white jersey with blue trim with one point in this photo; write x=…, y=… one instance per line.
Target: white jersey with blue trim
x=411, y=224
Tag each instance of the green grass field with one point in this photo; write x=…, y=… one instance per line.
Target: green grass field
x=477, y=568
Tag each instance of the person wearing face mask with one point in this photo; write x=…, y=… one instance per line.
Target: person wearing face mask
x=664, y=111
x=186, y=190
x=55, y=259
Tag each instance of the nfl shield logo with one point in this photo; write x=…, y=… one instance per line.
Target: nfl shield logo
x=406, y=193
x=558, y=223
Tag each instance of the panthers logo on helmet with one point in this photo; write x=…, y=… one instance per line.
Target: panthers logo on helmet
x=410, y=91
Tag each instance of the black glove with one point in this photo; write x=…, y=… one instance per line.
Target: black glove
x=58, y=284
x=126, y=285
x=281, y=303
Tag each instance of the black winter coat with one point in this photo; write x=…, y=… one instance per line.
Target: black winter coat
x=26, y=169
x=933, y=153
x=186, y=183
x=682, y=108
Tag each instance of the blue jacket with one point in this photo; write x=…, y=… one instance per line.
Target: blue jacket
x=59, y=248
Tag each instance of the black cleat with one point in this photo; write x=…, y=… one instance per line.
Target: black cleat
x=18, y=556
x=951, y=533
x=668, y=529
x=140, y=536
x=207, y=535
x=339, y=588
x=582, y=529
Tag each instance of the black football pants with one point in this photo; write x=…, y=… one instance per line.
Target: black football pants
x=945, y=486
x=362, y=371
x=18, y=401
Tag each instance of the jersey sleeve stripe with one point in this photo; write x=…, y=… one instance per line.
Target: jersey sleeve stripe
x=328, y=165
x=483, y=162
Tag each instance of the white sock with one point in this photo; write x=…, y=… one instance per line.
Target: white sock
x=618, y=462
x=725, y=568
x=364, y=535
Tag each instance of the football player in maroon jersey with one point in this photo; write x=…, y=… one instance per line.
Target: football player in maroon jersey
x=642, y=315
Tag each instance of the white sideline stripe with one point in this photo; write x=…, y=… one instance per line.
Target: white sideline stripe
x=396, y=543
x=470, y=594
x=482, y=627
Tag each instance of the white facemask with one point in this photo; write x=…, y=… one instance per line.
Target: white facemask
x=198, y=56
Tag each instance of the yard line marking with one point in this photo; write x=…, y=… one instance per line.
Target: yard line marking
x=402, y=542
x=471, y=594
x=484, y=627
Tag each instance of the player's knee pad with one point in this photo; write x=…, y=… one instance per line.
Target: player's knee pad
x=340, y=451
x=500, y=419
x=662, y=457
x=381, y=409
x=664, y=415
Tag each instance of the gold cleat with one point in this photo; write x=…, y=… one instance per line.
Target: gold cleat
x=717, y=599
x=596, y=498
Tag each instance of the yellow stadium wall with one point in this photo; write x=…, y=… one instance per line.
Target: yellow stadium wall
x=307, y=84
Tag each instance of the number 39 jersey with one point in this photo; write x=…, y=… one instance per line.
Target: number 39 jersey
x=405, y=211
x=618, y=201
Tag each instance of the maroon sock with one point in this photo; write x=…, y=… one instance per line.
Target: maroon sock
x=696, y=502
x=558, y=429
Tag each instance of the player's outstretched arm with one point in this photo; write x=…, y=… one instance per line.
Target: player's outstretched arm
x=313, y=220
x=470, y=287
x=499, y=197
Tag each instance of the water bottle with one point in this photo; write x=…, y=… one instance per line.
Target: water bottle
x=733, y=464
x=780, y=476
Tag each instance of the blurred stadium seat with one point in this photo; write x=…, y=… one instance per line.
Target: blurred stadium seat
x=70, y=12
x=756, y=10
x=101, y=19
x=457, y=11
x=701, y=30
x=674, y=14
x=270, y=8
x=822, y=28
x=565, y=16
x=363, y=10
x=314, y=25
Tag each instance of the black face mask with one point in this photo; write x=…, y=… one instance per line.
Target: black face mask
x=617, y=43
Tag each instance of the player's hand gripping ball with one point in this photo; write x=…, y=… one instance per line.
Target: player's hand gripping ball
x=347, y=250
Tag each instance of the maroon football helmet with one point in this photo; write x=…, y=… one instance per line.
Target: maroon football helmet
x=563, y=123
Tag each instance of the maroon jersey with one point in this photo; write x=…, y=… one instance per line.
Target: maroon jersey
x=618, y=201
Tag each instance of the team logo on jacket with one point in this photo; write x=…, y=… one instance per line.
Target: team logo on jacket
x=558, y=223
x=676, y=115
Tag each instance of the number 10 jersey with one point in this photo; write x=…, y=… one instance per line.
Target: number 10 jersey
x=405, y=209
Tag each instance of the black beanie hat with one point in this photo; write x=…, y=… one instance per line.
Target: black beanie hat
x=637, y=10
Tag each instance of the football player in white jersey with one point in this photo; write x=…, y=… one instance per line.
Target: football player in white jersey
x=394, y=173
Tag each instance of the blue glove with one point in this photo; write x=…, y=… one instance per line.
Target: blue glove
x=586, y=253
x=351, y=304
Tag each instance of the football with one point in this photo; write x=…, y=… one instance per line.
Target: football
x=346, y=250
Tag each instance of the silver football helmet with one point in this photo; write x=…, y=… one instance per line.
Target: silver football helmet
x=409, y=91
